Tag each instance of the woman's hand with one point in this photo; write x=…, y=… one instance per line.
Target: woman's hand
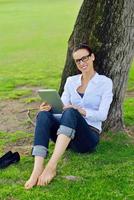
x=80, y=110
x=70, y=106
x=45, y=107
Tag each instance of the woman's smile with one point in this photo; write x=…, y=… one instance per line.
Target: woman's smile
x=83, y=66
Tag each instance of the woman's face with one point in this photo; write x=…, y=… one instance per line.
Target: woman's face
x=84, y=60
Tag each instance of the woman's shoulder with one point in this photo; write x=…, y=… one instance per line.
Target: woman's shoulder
x=74, y=77
x=104, y=79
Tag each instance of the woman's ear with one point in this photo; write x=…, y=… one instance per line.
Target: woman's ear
x=93, y=57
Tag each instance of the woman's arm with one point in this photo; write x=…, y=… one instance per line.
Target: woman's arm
x=81, y=110
x=102, y=112
x=65, y=97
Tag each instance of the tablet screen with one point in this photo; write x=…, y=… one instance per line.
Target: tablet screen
x=52, y=97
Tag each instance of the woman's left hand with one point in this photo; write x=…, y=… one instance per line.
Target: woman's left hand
x=80, y=110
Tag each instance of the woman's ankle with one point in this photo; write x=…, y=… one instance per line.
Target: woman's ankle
x=51, y=165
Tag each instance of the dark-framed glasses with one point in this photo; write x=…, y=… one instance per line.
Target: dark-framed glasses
x=83, y=59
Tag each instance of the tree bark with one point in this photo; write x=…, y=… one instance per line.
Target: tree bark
x=108, y=27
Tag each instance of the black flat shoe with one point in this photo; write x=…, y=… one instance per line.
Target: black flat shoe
x=5, y=156
x=14, y=158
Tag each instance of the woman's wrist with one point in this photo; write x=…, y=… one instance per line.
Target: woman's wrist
x=82, y=111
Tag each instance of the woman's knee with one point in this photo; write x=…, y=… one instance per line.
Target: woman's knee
x=69, y=118
x=70, y=111
x=44, y=116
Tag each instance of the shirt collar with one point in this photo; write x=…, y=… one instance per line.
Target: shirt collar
x=93, y=80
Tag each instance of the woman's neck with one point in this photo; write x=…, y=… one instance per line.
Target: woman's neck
x=88, y=75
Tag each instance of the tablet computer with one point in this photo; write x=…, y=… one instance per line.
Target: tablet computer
x=52, y=97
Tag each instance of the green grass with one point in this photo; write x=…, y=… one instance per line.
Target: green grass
x=131, y=78
x=129, y=111
x=33, y=40
x=33, y=44
x=104, y=174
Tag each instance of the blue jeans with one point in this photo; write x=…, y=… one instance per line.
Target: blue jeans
x=72, y=124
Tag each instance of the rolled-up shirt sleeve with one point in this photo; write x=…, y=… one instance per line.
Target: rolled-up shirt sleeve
x=65, y=97
x=102, y=112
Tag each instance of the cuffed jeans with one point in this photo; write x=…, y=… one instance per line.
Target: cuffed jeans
x=72, y=124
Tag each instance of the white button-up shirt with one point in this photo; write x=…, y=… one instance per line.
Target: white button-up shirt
x=96, y=100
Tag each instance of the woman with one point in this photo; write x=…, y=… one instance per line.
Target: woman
x=86, y=98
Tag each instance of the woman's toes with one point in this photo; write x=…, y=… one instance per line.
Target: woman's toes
x=46, y=177
x=33, y=178
x=28, y=185
x=40, y=181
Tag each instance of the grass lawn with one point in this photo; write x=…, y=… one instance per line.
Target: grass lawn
x=131, y=78
x=104, y=174
x=33, y=40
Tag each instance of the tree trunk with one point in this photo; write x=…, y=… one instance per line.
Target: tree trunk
x=108, y=27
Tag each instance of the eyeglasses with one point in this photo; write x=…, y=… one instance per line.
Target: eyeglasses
x=83, y=59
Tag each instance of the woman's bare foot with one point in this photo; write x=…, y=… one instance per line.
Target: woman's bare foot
x=46, y=177
x=33, y=178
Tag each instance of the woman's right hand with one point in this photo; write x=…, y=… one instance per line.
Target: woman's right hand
x=45, y=107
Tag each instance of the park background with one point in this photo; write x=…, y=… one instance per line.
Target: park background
x=33, y=45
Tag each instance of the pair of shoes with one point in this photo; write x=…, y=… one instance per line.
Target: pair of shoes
x=8, y=159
